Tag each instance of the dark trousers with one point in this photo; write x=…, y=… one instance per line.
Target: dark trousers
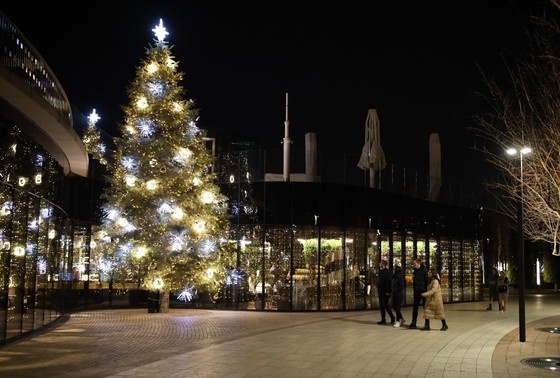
x=397, y=303
x=384, y=307
x=417, y=299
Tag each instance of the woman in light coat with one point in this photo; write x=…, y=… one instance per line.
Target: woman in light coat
x=434, y=302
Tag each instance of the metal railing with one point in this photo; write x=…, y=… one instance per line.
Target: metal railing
x=341, y=168
x=23, y=61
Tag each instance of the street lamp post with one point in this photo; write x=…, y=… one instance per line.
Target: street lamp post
x=521, y=250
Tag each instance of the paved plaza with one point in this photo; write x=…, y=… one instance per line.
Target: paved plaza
x=218, y=343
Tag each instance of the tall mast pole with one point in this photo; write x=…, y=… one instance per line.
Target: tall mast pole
x=287, y=142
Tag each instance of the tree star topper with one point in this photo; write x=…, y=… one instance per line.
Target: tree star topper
x=93, y=117
x=160, y=31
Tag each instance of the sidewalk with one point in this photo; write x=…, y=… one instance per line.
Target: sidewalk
x=212, y=343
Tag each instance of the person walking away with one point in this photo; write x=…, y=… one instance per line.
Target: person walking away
x=434, y=302
x=503, y=290
x=384, y=292
x=419, y=286
x=397, y=295
x=493, y=288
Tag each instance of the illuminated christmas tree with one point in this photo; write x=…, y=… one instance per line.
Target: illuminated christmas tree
x=92, y=139
x=164, y=215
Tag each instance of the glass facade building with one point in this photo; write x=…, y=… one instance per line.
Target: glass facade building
x=317, y=246
x=39, y=150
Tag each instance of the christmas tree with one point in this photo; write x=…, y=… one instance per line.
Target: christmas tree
x=164, y=215
x=92, y=139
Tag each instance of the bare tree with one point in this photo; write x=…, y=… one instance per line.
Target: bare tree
x=525, y=112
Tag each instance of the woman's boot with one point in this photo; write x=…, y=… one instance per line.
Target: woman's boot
x=426, y=325
x=444, y=326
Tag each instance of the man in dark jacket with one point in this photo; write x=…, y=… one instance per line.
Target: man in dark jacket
x=384, y=292
x=420, y=285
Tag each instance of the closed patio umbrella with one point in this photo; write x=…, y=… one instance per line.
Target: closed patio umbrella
x=372, y=157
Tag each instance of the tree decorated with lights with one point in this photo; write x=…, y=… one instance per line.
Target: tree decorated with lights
x=92, y=139
x=164, y=216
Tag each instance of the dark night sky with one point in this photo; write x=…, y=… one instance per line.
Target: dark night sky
x=415, y=62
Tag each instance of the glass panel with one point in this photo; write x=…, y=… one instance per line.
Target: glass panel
x=407, y=269
x=305, y=269
x=422, y=251
x=5, y=244
x=301, y=280
x=444, y=248
x=80, y=260
x=397, y=253
x=471, y=272
x=41, y=265
x=332, y=268
x=244, y=285
x=435, y=258
x=377, y=247
x=478, y=275
x=277, y=252
x=457, y=267
x=16, y=287
x=356, y=270
x=30, y=265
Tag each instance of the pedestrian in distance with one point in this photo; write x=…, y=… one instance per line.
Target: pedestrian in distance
x=384, y=292
x=419, y=286
x=503, y=290
x=434, y=302
x=397, y=295
x=493, y=288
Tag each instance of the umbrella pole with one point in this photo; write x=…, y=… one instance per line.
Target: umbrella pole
x=372, y=178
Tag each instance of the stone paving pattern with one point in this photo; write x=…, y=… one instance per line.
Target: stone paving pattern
x=219, y=343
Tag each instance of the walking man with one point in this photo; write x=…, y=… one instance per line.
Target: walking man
x=384, y=292
x=419, y=285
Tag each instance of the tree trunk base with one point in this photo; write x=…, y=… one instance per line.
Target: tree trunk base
x=164, y=302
